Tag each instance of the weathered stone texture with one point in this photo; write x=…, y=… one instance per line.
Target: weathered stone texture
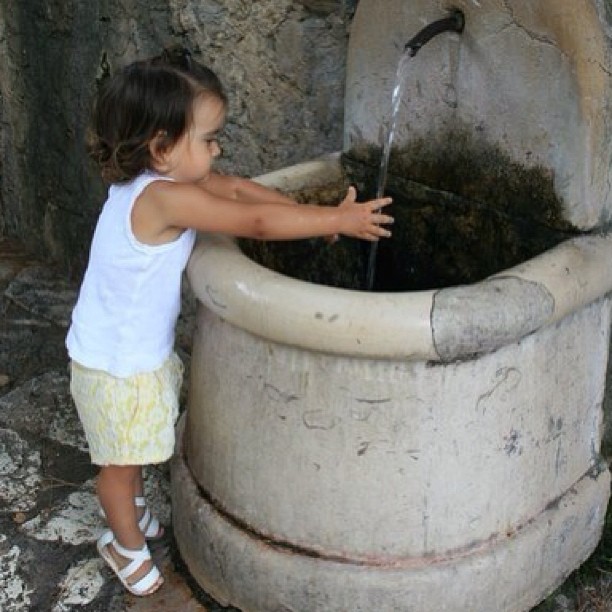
x=530, y=81
x=282, y=63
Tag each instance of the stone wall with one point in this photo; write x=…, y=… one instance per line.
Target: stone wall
x=282, y=62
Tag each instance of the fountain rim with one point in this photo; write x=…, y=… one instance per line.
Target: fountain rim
x=439, y=325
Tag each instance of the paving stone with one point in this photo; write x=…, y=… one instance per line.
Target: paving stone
x=43, y=407
x=75, y=521
x=14, y=594
x=43, y=293
x=29, y=348
x=81, y=585
x=19, y=473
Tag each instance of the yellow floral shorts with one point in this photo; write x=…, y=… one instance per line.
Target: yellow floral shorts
x=128, y=421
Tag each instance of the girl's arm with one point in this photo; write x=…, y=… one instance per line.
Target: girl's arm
x=166, y=205
x=238, y=188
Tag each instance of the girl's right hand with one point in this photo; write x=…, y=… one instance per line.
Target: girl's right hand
x=363, y=219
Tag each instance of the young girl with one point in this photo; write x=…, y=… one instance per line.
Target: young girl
x=155, y=132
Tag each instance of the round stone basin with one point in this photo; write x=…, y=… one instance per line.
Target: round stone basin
x=439, y=240
x=432, y=449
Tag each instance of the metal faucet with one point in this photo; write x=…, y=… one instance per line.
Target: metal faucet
x=455, y=22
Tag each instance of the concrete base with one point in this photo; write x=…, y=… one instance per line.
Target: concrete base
x=509, y=574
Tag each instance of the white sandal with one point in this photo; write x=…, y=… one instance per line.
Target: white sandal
x=136, y=557
x=149, y=524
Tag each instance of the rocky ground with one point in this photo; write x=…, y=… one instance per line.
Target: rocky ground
x=48, y=512
x=49, y=518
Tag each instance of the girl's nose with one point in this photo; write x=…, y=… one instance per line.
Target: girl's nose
x=217, y=150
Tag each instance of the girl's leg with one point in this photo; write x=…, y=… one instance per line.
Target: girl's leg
x=116, y=491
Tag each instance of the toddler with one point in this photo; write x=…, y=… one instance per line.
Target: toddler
x=155, y=130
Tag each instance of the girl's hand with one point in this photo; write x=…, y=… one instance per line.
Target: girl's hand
x=363, y=219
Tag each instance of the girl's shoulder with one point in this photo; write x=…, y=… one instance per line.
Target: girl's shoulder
x=154, y=198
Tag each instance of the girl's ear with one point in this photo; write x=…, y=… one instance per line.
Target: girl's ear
x=159, y=151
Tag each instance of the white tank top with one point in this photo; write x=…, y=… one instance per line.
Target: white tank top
x=129, y=301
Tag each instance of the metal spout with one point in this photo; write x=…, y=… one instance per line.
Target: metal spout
x=455, y=22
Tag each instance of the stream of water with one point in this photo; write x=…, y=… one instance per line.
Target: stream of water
x=387, y=142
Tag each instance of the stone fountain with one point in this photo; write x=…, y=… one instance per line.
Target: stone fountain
x=434, y=444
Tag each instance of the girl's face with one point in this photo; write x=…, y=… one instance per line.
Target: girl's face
x=191, y=158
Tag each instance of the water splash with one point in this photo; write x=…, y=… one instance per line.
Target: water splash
x=388, y=134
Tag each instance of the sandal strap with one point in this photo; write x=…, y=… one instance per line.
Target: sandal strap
x=145, y=519
x=140, y=501
x=137, y=558
x=146, y=582
x=149, y=524
x=106, y=538
x=140, y=554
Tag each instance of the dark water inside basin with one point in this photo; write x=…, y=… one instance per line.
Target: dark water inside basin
x=440, y=239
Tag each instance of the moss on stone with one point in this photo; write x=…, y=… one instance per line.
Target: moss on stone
x=472, y=168
x=445, y=233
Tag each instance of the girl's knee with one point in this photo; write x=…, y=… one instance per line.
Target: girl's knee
x=120, y=472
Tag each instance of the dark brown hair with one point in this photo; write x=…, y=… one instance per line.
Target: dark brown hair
x=141, y=101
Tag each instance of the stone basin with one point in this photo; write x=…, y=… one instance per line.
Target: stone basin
x=428, y=449
x=385, y=448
